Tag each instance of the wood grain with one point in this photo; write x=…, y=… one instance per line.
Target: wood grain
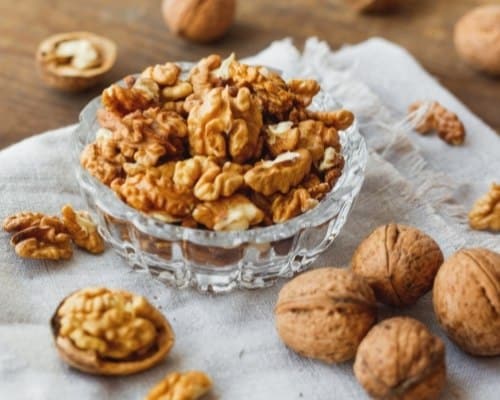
x=27, y=107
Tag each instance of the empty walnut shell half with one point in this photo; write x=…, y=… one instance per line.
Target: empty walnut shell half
x=466, y=297
x=75, y=61
x=110, y=332
x=399, y=262
x=325, y=313
x=401, y=359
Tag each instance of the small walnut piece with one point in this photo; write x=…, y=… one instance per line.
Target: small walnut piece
x=281, y=174
x=485, y=213
x=399, y=359
x=432, y=116
x=38, y=236
x=189, y=385
x=228, y=214
x=200, y=21
x=75, y=61
x=477, y=38
x=367, y=6
x=281, y=137
x=466, y=297
x=110, y=332
x=399, y=262
x=82, y=230
x=325, y=313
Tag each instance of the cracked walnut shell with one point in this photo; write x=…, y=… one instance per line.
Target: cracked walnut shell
x=325, y=313
x=400, y=359
x=466, y=297
x=485, y=213
x=110, y=332
x=75, y=61
x=189, y=385
x=399, y=262
x=82, y=230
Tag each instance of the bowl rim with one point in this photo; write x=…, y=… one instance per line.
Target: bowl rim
x=112, y=205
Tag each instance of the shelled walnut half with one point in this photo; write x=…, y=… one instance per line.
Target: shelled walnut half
x=485, y=213
x=189, y=385
x=75, y=61
x=110, y=332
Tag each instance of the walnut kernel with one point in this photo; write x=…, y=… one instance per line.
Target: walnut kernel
x=189, y=385
x=485, y=213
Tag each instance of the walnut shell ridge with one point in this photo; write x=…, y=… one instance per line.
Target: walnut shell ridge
x=324, y=313
x=399, y=262
x=400, y=359
x=466, y=299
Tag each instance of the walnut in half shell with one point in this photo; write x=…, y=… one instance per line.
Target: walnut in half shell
x=110, y=332
x=75, y=61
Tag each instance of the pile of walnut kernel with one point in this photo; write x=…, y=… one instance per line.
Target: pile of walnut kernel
x=231, y=147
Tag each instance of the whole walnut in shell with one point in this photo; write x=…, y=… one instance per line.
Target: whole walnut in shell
x=399, y=262
x=110, y=332
x=477, y=38
x=401, y=359
x=200, y=21
x=325, y=313
x=466, y=298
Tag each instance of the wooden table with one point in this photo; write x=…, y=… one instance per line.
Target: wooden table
x=27, y=107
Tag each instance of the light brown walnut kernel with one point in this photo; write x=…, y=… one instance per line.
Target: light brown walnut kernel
x=46, y=239
x=485, y=213
x=189, y=385
x=82, y=230
x=179, y=91
x=201, y=77
x=152, y=189
x=399, y=262
x=295, y=202
x=228, y=214
x=315, y=136
x=437, y=118
x=209, y=123
x=338, y=119
x=279, y=175
x=281, y=137
x=110, y=332
x=315, y=186
x=216, y=182
x=400, y=359
x=164, y=75
x=21, y=220
x=123, y=100
x=304, y=90
x=325, y=313
x=466, y=297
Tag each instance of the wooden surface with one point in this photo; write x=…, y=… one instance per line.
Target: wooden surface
x=27, y=107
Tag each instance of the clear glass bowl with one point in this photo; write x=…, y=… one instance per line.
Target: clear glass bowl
x=221, y=261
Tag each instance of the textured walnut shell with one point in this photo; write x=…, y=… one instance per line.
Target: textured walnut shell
x=72, y=79
x=325, y=313
x=466, y=298
x=200, y=21
x=90, y=362
x=477, y=38
x=399, y=262
x=401, y=359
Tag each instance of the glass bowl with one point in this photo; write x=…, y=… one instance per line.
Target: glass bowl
x=221, y=261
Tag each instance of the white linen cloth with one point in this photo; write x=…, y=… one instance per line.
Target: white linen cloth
x=410, y=179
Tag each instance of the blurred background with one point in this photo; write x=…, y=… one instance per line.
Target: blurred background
x=27, y=106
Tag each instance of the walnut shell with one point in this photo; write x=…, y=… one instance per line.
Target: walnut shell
x=466, y=298
x=400, y=359
x=325, y=313
x=477, y=38
x=102, y=332
x=200, y=21
x=399, y=262
x=66, y=77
